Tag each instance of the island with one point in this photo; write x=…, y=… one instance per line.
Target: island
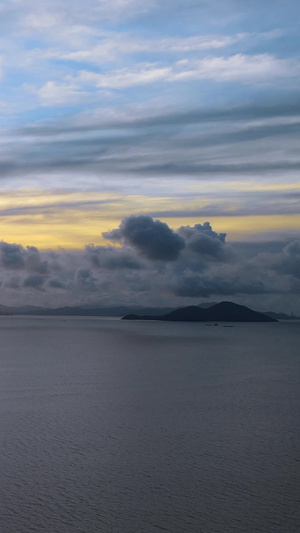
x=221, y=312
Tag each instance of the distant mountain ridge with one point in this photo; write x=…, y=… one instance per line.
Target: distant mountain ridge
x=221, y=312
x=114, y=311
x=280, y=316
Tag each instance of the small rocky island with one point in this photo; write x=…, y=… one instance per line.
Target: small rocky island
x=221, y=312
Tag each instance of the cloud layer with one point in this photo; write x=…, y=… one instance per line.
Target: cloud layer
x=152, y=265
x=174, y=112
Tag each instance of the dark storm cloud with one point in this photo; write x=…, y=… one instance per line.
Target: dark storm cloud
x=289, y=261
x=201, y=239
x=231, y=277
x=152, y=263
x=55, y=283
x=291, y=254
x=13, y=282
x=35, y=268
x=248, y=250
x=152, y=238
x=34, y=261
x=11, y=255
x=112, y=258
x=14, y=256
x=34, y=281
x=85, y=279
x=195, y=286
x=286, y=263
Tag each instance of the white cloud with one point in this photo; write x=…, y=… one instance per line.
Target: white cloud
x=40, y=20
x=237, y=68
x=52, y=93
x=112, y=46
x=75, y=11
x=123, y=78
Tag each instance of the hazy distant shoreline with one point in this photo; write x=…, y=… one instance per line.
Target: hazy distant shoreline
x=114, y=311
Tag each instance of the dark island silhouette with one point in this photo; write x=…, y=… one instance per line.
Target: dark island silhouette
x=221, y=312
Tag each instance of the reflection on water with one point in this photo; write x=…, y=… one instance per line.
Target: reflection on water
x=110, y=426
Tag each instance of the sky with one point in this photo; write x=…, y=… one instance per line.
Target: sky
x=150, y=152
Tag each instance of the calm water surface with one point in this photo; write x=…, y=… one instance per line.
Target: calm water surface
x=114, y=426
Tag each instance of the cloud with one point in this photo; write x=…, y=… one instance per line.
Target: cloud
x=201, y=239
x=73, y=13
x=12, y=256
x=34, y=281
x=193, y=285
x=286, y=263
x=237, y=68
x=151, y=265
x=184, y=118
x=34, y=261
x=111, y=47
x=13, y=282
x=134, y=117
x=238, y=141
x=152, y=238
x=112, y=258
x=125, y=77
x=54, y=94
x=16, y=257
x=56, y=283
x=231, y=203
x=84, y=278
x=53, y=45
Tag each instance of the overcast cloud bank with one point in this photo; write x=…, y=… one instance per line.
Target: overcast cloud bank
x=151, y=265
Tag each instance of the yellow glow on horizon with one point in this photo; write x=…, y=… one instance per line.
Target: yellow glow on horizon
x=71, y=219
x=83, y=228
x=238, y=226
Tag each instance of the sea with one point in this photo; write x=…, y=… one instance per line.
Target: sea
x=123, y=426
